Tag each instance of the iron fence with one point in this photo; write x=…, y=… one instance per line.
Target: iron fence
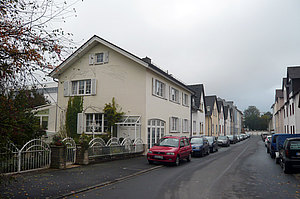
x=98, y=148
x=35, y=154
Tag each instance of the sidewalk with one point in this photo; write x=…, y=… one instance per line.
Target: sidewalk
x=55, y=183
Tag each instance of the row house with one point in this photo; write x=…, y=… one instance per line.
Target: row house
x=198, y=110
x=286, y=109
x=233, y=118
x=154, y=102
x=211, y=116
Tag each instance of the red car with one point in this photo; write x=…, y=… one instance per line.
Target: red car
x=170, y=149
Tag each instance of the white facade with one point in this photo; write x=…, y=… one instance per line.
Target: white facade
x=99, y=71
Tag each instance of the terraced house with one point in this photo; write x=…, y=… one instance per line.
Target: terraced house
x=286, y=109
x=155, y=103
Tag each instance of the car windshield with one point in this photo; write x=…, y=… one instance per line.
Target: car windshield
x=295, y=145
x=210, y=139
x=222, y=137
x=170, y=142
x=196, y=141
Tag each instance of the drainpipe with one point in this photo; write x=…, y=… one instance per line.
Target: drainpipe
x=191, y=116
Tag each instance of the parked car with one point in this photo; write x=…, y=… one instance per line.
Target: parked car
x=170, y=149
x=289, y=154
x=273, y=145
x=279, y=143
x=213, y=143
x=223, y=141
x=267, y=142
x=200, y=146
x=264, y=135
x=238, y=138
x=232, y=139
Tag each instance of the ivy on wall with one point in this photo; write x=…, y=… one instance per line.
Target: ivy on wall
x=112, y=114
x=75, y=106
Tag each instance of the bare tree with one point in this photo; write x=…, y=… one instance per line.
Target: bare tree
x=28, y=39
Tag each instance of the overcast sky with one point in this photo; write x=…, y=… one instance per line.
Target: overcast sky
x=239, y=49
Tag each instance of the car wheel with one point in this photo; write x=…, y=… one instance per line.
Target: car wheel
x=286, y=169
x=177, y=161
x=202, y=153
x=189, y=158
x=150, y=161
x=207, y=152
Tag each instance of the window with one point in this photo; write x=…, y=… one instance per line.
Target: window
x=174, y=124
x=156, y=130
x=98, y=58
x=43, y=121
x=82, y=87
x=185, y=125
x=185, y=99
x=194, y=126
x=159, y=88
x=174, y=95
x=293, y=108
x=96, y=122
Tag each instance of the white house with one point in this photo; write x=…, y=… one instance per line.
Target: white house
x=155, y=103
x=198, y=109
x=221, y=117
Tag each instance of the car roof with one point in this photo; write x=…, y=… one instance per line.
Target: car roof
x=294, y=138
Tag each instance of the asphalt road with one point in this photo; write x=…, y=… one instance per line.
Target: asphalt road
x=243, y=170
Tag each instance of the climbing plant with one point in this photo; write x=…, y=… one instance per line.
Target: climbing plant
x=113, y=113
x=75, y=106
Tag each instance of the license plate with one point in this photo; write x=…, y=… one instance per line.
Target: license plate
x=158, y=157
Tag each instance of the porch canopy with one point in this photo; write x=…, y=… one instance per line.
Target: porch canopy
x=130, y=122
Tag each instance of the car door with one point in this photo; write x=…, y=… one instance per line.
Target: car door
x=182, y=148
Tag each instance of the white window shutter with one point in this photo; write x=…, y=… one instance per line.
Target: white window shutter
x=79, y=123
x=189, y=126
x=66, y=88
x=166, y=91
x=153, y=86
x=106, y=57
x=179, y=96
x=94, y=87
x=170, y=93
x=170, y=124
x=91, y=59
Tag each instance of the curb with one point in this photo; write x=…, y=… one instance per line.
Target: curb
x=108, y=182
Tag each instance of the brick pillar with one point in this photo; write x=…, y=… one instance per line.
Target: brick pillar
x=58, y=157
x=82, y=156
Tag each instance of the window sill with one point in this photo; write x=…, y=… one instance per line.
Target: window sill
x=174, y=102
x=161, y=97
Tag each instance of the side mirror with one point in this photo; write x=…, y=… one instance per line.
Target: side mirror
x=156, y=144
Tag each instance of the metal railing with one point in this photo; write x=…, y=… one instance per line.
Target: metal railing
x=98, y=148
x=35, y=154
x=71, y=150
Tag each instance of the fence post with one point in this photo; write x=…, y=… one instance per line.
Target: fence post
x=19, y=161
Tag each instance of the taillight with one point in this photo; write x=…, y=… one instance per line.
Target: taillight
x=286, y=152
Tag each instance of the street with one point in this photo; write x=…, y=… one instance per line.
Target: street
x=243, y=170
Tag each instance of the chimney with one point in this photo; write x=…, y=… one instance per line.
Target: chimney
x=147, y=60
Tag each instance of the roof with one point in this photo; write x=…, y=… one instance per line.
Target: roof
x=210, y=100
x=279, y=93
x=199, y=92
x=93, y=41
x=293, y=72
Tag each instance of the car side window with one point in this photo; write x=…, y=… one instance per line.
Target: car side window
x=186, y=141
x=181, y=143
